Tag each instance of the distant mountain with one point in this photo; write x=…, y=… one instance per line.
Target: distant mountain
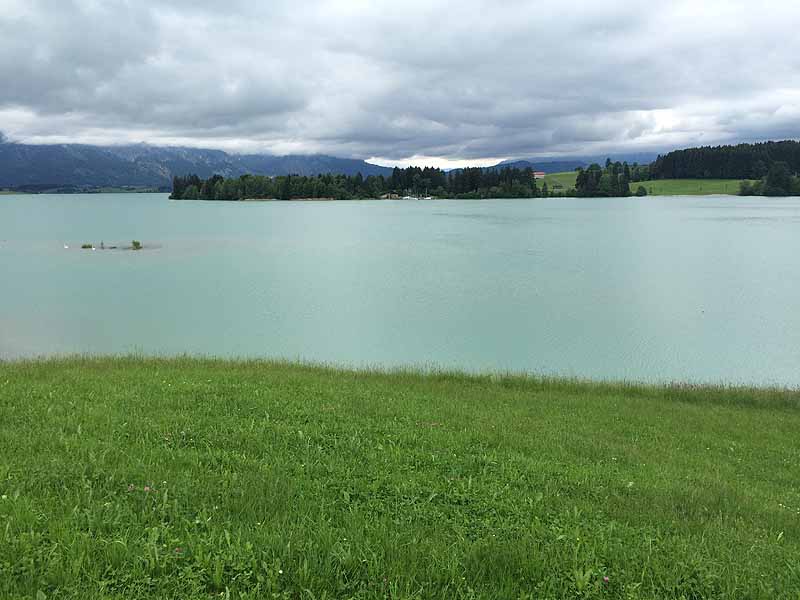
x=642, y=158
x=143, y=165
x=262, y=164
x=152, y=166
x=555, y=166
x=560, y=165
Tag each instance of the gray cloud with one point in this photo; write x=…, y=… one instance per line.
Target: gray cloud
x=466, y=80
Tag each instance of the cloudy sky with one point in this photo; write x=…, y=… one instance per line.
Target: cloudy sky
x=465, y=81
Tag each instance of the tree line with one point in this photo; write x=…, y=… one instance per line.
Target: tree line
x=508, y=182
x=613, y=180
x=412, y=181
x=774, y=165
x=743, y=161
x=779, y=181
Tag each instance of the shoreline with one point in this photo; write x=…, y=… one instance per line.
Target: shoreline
x=256, y=200
x=517, y=378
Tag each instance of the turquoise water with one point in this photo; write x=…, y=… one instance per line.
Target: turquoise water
x=656, y=289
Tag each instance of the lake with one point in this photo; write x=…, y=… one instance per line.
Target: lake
x=654, y=289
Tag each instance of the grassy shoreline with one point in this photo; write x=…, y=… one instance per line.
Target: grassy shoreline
x=132, y=477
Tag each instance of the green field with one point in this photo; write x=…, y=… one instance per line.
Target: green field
x=662, y=187
x=560, y=182
x=689, y=187
x=133, y=478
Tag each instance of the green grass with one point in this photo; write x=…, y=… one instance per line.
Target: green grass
x=153, y=478
x=663, y=187
x=559, y=181
x=689, y=187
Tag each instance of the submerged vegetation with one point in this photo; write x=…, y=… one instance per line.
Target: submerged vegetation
x=135, y=245
x=143, y=478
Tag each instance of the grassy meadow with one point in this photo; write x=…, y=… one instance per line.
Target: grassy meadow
x=689, y=187
x=184, y=478
x=661, y=187
x=559, y=181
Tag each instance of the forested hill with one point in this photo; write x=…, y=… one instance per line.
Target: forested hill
x=152, y=166
x=743, y=161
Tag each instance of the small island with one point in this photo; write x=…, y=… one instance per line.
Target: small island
x=135, y=245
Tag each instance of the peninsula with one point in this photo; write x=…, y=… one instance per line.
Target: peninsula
x=768, y=169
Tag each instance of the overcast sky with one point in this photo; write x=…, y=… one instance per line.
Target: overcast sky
x=466, y=81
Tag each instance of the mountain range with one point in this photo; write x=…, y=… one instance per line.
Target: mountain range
x=546, y=166
x=142, y=165
x=560, y=165
x=29, y=166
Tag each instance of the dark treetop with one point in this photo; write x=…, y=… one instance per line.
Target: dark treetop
x=744, y=161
